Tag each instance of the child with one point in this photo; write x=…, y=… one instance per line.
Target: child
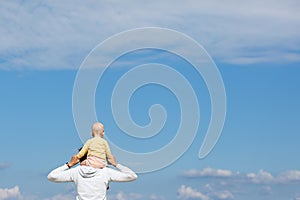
x=97, y=149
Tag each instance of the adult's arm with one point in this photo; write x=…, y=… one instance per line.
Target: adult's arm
x=63, y=173
x=123, y=175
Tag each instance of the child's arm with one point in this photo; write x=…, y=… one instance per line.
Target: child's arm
x=76, y=158
x=84, y=150
x=111, y=159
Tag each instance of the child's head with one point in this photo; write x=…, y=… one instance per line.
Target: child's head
x=98, y=129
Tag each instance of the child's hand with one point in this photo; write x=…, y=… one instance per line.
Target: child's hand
x=74, y=160
x=112, y=161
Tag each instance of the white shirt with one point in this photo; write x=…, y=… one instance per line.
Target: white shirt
x=91, y=183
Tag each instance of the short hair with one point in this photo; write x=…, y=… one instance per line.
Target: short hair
x=97, y=127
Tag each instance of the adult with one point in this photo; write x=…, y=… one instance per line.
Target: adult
x=91, y=183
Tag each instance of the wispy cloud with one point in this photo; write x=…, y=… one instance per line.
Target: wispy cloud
x=223, y=195
x=4, y=165
x=266, y=177
x=156, y=197
x=218, y=193
x=186, y=192
x=266, y=190
x=261, y=177
x=227, y=184
x=9, y=193
x=297, y=197
x=58, y=35
x=208, y=172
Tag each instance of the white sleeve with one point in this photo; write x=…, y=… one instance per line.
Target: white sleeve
x=61, y=174
x=124, y=175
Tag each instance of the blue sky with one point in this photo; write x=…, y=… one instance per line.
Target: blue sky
x=255, y=46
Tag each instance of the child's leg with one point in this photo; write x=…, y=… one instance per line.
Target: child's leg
x=85, y=163
x=95, y=162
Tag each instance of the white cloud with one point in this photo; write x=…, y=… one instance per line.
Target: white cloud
x=208, y=172
x=289, y=176
x=186, y=192
x=8, y=193
x=261, y=177
x=266, y=177
x=218, y=193
x=223, y=195
x=156, y=197
x=234, y=185
x=55, y=34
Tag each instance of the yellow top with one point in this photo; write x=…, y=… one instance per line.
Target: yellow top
x=97, y=146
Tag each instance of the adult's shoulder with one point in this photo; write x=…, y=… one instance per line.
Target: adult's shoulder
x=108, y=170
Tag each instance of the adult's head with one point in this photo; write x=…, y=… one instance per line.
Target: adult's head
x=98, y=129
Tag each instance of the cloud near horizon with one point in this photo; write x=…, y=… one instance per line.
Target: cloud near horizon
x=266, y=177
x=208, y=172
x=9, y=193
x=227, y=184
x=59, y=35
x=186, y=192
x=261, y=177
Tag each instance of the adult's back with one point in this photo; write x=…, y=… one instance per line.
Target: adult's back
x=91, y=183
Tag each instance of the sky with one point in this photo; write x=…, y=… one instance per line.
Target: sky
x=252, y=48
